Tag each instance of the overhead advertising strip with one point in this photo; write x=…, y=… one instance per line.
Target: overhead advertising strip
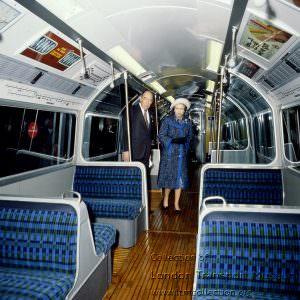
x=8, y=15
x=248, y=68
x=287, y=69
x=53, y=51
x=262, y=38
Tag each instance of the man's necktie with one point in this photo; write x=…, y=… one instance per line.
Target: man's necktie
x=145, y=117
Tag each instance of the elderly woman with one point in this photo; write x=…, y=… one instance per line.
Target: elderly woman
x=174, y=135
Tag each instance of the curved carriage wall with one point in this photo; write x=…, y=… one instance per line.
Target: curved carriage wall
x=262, y=103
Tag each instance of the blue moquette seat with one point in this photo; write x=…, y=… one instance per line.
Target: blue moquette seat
x=244, y=186
x=248, y=255
x=104, y=237
x=110, y=192
x=38, y=249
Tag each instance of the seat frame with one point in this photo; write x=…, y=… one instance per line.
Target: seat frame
x=237, y=208
x=128, y=230
x=234, y=166
x=92, y=270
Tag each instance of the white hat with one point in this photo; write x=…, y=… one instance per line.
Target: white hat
x=183, y=101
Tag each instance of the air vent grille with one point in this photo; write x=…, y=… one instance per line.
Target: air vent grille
x=11, y=69
x=85, y=92
x=294, y=60
x=283, y=72
x=57, y=84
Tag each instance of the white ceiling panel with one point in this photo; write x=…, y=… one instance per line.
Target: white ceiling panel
x=115, y=7
x=170, y=39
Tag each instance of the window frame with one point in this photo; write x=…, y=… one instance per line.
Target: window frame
x=47, y=156
x=246, y=119
x=258, y=135
x=106, y=155
x=287, y=107
x=32, y=173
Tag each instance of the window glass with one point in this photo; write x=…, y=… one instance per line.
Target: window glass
x=226, y=133
x=244, y=94
x=264, y=137
x=234, y=131
x=234, y=135
x=101, y=136
x=34, y=139
x=291, y=133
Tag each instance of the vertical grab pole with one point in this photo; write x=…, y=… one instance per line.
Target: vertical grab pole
x=220, y=112
x=127, y=115
x=85, y=73
x=156, y=119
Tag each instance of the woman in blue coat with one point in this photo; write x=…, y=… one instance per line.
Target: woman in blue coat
x=175, y=135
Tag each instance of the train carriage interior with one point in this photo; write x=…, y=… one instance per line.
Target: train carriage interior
x=77, y=221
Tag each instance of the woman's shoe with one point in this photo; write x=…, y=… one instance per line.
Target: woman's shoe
x=177, y=211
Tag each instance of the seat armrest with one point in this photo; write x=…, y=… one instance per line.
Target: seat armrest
x=210, y=198
x=70, y=194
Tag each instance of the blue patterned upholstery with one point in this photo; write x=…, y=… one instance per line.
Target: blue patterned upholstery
x=244, y=186
x=29, y=284
x=261, y=258
x=37, y=242
x=122, y=209
x=104, y=237
x=113, y=192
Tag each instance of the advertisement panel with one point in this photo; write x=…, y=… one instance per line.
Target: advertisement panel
x=262, y=38
x=53, y=51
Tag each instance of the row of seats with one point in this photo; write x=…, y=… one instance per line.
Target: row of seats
x=242, y=186
x=61, y=248
x=42, y=254
x=246, y=251
x=114, y=194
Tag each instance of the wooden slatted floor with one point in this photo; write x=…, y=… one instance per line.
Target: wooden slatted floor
x=161, y=264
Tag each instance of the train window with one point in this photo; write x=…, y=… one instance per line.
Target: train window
x=234, y=135
x=34, y=139
x=264, y=138
x=234, y=131
x=100, y=137
x=226, y=134
x=291, y=133
x=240, y=133
x=245, y=95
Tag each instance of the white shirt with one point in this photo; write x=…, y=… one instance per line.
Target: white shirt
x=148, y=120
x=148, y=117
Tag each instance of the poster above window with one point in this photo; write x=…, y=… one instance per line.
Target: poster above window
x=262, y=38
x=248, y=68
x=8, y=15
x=53, y=51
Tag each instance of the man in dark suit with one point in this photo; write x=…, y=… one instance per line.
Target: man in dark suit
x=140, y=128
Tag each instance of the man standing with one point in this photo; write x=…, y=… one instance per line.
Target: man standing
x=140, y=128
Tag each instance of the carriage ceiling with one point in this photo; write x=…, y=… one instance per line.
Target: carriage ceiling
x=172, y=45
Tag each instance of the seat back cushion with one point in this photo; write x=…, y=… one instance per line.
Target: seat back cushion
x=113, y=183
x=248, y=251
x=38, y=236
x=244, y=186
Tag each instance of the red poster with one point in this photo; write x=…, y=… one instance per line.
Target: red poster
x=32, y=130
x=53, y=51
